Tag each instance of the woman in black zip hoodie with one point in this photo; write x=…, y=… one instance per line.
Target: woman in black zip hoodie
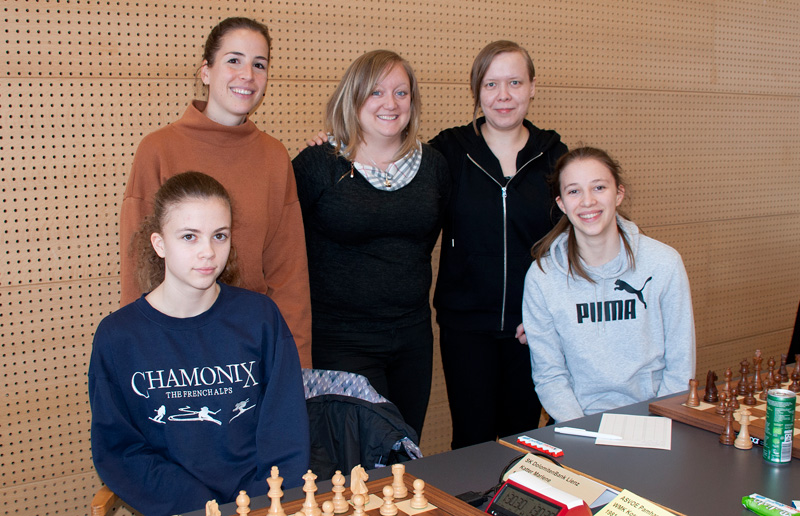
x=499, y=207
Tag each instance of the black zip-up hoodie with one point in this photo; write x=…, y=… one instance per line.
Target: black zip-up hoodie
x=490, y=224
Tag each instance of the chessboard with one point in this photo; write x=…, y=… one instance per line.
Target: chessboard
x=705, y=416
x=439, y=502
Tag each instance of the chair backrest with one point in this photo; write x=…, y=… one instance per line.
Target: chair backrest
x=352, y=424
x=103, y=501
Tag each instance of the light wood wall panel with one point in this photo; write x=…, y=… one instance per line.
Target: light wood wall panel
x=699, y=99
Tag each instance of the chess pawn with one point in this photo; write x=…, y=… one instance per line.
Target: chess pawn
x=767, y=385
x=340, y=504
x=388, y=508
x=750, y=390
x=327, y=508
x=358, y=504
x=727, y=437
x=723, y=403
x=310, y=507
x=795, y=385
x=418, y=501
x=733, y=401
x=743, y=441
x=692, y=401
x=400, y=489
x=242, y=503
x=275, y=482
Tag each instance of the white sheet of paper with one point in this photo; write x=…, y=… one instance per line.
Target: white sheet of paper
x=637, y=431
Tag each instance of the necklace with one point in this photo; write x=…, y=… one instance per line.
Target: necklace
x=387, y=179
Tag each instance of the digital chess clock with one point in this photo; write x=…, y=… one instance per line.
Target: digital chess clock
x=525, y=495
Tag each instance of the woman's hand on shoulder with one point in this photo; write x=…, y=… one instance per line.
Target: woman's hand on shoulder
x=319, y=139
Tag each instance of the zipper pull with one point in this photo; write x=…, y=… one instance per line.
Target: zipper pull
x=452, y=242
x=504, y=192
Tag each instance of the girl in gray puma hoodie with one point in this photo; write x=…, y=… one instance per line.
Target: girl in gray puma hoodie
x=607, y=311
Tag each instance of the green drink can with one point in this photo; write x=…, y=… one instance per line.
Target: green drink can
x=779, y=426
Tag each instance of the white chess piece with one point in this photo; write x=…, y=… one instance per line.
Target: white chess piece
x=743, y=441
x=400, y=489
x=418, y=501
x=388, y=508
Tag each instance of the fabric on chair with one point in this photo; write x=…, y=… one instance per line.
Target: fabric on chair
x=352, y=424
x=323, y=381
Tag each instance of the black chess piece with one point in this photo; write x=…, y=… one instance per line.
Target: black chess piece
x=711, y=395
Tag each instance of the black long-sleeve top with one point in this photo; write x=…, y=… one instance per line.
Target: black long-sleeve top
x=369, y=251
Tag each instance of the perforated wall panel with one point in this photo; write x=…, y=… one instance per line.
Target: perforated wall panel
x=699, y=100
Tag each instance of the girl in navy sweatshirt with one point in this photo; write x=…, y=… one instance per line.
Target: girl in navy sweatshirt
x=195, y=387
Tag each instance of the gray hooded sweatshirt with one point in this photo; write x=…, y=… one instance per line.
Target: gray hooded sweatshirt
x=626, y=338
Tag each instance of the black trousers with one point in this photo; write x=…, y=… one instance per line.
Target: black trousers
x=489, y=386
x=397, y=362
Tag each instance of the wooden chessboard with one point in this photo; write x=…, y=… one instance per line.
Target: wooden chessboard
x=705, y=417
x=439, y=502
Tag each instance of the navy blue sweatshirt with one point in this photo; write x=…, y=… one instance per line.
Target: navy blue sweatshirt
x=189, y=410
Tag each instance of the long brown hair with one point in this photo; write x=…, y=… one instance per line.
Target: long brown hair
x=150, y=268
x=357, y=84
x=542, y=247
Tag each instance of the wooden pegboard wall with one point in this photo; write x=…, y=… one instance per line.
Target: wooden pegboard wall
x=699, y=100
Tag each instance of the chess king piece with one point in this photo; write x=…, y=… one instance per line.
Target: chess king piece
x=275, y=493
x=743, y=441
x=400, y=489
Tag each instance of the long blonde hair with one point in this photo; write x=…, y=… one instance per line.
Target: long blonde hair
x=357, y=84
x=542, y=247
